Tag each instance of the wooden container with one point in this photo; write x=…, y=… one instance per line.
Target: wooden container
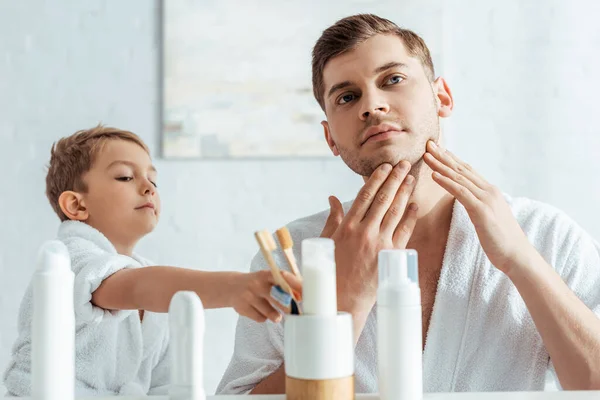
x=319, y=357
x=312, y=389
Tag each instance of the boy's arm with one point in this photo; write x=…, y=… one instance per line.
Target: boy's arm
x=151, y=288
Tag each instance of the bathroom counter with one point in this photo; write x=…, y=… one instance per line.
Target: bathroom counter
x=566, y=395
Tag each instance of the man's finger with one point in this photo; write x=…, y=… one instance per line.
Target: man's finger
x=398, y=207
x=367, y=193
x=452, y=162
x=465, y=169
x=387, y=193
x=442, y=169
x=405, y=227
x=336, y=215
x=462, y=194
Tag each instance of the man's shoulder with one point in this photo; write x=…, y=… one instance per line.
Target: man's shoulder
x=530, y=211
x=544, y=223
x=311, y=225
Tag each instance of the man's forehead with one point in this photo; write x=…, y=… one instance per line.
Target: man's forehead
x=366, y=58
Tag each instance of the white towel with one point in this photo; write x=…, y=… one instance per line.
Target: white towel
x=481, y=336
x=115, y=353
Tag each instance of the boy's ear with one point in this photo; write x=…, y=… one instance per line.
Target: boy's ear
x=72, y=205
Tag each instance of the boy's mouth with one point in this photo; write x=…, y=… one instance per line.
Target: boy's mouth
x=146, y=205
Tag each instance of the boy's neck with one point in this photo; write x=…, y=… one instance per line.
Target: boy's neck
x=124, y=249
x=124, y=246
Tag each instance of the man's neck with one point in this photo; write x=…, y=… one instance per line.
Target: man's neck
x=435, y=208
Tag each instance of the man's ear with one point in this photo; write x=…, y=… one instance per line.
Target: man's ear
x=329, y=138
x=444, y=98
x=73, y=206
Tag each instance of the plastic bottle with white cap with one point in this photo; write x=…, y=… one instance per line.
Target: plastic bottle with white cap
x=399, y=329
x=186, y=328
x=53, y=325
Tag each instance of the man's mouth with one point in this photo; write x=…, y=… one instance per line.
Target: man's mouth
x=381, y=132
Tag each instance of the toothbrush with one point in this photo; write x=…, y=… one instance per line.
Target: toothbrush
x=286, y=242
x=267, y=246
x=272, y=246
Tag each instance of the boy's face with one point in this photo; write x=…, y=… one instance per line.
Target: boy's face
x=380, y=88
x=122, y=201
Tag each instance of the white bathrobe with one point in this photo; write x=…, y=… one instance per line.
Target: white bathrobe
x=115, y=352
x=481, y=336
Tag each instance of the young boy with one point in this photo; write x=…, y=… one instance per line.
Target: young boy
x=102, y=184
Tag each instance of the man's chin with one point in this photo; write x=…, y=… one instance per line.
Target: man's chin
x=365, y=164
x=395, y=159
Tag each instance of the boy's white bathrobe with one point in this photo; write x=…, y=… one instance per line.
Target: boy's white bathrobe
x=481, y=336
x=115, y=352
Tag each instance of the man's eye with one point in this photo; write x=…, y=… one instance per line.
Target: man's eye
x=125, y=178
x=346, y=98
x=394, y=80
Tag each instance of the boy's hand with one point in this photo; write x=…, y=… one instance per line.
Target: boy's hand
x=252, y=295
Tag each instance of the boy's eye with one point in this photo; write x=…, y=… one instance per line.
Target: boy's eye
x=125, y=178
x=154, y=183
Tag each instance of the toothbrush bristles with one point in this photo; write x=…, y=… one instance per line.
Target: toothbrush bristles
x=285, y=239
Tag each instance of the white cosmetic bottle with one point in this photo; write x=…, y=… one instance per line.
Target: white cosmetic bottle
x=399, y=329
x=53, y=325
x=186, y=330
x=319, y=345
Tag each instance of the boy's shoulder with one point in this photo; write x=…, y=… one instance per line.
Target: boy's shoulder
x=85, y=242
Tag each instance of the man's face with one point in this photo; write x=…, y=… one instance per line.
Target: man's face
x=122, y=200
x=380, y=106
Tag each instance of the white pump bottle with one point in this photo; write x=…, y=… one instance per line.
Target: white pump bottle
x=399, y=329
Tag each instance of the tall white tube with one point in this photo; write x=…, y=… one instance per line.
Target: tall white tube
x=186, y=324
x=53, y=325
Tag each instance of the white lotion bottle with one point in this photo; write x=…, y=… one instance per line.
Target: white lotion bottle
x=399, y=328
x=53, y=325
x=319, y=344
x=186, y=330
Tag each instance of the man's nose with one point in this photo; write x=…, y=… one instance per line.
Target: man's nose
x=373, y=105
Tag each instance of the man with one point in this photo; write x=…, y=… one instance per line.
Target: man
x=510, y=287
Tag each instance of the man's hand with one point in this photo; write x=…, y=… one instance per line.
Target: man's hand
x=499, y=233
x=379, y=219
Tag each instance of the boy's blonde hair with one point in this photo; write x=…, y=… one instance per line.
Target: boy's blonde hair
x=72, y=156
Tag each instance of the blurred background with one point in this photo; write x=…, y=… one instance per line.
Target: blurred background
x=523, y=74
